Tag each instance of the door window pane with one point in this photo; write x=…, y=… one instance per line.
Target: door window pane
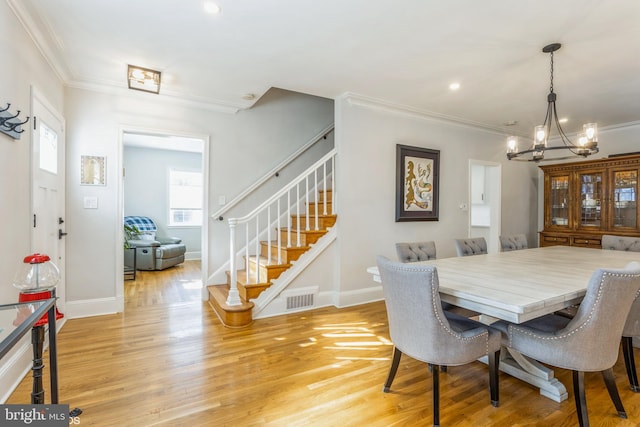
x=591, y=186
x=48, y=149
x=624, y=198
x=559, y=197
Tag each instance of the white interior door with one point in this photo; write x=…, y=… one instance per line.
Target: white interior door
x=47, y=187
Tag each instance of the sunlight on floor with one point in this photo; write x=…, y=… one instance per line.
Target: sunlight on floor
x=191, y=284
x=345, y=341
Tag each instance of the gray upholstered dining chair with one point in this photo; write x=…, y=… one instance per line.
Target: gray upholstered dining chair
x=420, y=328
x=416, y=251
x=589, y=342
x=620, y=243
x=470, y=246
x=631, y=329
x=513, y=242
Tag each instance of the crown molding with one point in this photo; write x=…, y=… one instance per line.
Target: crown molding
x=379, y=104
x=172, y=98
x=40, y=39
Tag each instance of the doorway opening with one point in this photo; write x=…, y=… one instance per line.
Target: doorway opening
x=165, y=177
x=485, y=202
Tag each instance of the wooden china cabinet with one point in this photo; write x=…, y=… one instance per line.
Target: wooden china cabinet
x=584, y=200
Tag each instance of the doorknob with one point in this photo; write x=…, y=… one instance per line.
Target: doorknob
x=61, y=234
x=60, y=220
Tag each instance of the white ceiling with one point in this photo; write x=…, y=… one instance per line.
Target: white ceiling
x=403, y=53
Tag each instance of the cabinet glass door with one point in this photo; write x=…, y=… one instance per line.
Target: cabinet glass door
x=559, y=200
x=591, y=195
x=625, y=193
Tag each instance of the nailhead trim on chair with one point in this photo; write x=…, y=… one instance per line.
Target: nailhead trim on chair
x=484, y=335
x=585, y=323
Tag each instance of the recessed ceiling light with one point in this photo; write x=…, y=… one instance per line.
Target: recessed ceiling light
x=454, y=86
x=211, y=7
x=563, y=120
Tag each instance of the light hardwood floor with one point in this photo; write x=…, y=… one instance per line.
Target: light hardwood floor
x=167, y=360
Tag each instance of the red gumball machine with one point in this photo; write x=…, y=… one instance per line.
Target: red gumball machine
x=36, y=279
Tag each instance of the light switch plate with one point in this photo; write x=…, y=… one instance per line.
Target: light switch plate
x=90, y=202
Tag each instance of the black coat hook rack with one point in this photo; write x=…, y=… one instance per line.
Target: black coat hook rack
x=10, y=124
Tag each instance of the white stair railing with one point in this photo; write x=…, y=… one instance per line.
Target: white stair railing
x=258, y=225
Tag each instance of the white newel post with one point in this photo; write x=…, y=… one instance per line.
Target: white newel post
x=234, y=295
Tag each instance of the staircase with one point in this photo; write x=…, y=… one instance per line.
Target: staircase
x=307, y=215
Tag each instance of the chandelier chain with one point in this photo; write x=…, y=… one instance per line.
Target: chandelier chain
x=551, y=79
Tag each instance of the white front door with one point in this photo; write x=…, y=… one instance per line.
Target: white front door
x=47, y=187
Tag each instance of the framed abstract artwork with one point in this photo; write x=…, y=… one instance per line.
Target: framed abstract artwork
x=417, y=180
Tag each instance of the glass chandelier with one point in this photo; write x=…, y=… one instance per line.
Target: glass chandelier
x=587, y=142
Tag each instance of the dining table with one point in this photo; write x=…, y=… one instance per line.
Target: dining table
x=521, y=285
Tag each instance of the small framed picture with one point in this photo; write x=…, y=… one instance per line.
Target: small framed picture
x=93, y=170
x=417, y=180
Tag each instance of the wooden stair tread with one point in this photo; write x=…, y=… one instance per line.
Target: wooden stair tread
x=263, y=260
x=233, y=316
x=244, y=279
x=302, y=230
x=284, y=247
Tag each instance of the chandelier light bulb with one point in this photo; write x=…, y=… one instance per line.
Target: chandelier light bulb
x=512, y=144
x=582, y=139
x=591, y=131
x=540, y=138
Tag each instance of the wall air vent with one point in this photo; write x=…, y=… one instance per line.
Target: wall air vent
x=299, y=301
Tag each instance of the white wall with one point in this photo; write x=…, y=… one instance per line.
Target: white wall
x=366, y=138
x=146, y=189
x=21, y=67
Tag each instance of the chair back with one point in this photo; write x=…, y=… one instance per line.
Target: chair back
x=632, y=325
x=417, y=324
x=595, y=331
x=470, y=246
x=620, y=243
x=416, y=251
x=513, y=243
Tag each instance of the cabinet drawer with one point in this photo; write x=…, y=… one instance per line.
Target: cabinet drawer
x=587, y=242
x=555, y=240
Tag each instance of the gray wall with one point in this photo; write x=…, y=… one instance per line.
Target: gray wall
x=146, y=189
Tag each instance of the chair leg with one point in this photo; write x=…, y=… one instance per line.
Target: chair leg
x=397, y=354
x=581, y=400
x=494, y=385
x=610, y=381
x=629, y=363
x=436, y=394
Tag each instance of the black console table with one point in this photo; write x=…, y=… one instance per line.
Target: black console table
x=18, y=319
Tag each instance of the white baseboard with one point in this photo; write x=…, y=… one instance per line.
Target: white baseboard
x=277, y=306
x=360, y=296
x=88, y=308
x=192, y=256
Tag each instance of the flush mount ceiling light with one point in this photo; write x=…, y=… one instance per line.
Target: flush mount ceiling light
x=143, y=79
x=587, y=142
x=211, y=7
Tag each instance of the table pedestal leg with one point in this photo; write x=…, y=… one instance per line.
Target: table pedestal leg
x=37, y=342
x=533, y=372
